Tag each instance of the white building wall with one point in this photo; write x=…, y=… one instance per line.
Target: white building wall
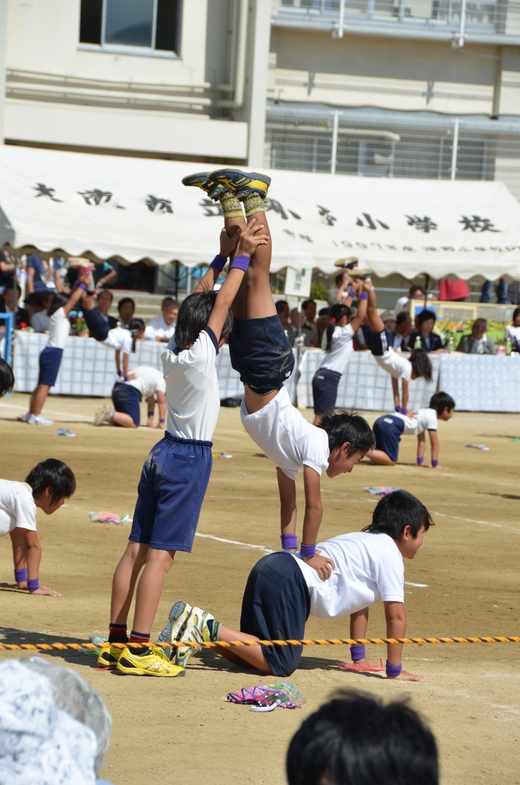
x=3, y=45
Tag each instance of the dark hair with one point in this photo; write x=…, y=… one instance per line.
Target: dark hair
x=34, y=299
x=280, y=305
x=421, y=364
x=124, y=301
x=6, y=377
x=134, y=325
x=423, y=316
x=57, y=302
x=348, y=427
x=339, y=278
x=193, y=317
x=396, y=511
x=415, y=288
x=306, y=303
x=169, y=301
x=516, y=312
x=480, y=320
x=106, y=291
x=403, y=316
x=12, y=284
x=52, y=474
x=355, y=739
x=336, y=313
x=441, y=401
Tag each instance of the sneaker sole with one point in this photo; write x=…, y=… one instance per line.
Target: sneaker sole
x=247, y=183
x=130, y=669
x=176, y=621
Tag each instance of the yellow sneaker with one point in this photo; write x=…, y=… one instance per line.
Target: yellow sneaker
x=109, y=657
x=240, y=183
x=156, y=663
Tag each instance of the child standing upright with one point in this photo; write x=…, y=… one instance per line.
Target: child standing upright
x=176, y=473
x=261, y=353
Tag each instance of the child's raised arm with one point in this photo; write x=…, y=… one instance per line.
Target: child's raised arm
x=362, y=289
x=227, y=246
x=76, y=295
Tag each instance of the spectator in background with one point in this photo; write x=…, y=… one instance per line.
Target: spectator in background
x=513, y=331
x=402, y=332
x=44, y=274
x=415, y=293
x=103, y=303
x=9, y=304
x=103, y=273
x=38, y=317
x=453, y=291
x=340, y=291
x=477, y=342
x=126, y=310
x=309, y=327
x=7, y=269
x=388, y=320
x=430, y=341
x=282, y=309
x=500, y=289
x=162, y=328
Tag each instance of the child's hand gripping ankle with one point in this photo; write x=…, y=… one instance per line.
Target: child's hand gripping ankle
x=250, y=238
x=228, y=243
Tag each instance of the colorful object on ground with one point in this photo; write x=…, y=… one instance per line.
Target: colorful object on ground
x=359, y=667
x=515, y=439
x=380, y=490
x=478, y=446
x=280, y=693
x=221, y=454
x=64, y=432
x=109, y=517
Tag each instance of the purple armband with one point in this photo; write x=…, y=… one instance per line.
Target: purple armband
x=33, y=584
x=219, y=262
x=352, y=294
x=120, y=373
x=240, y=262
x=150, y=414
x=358, y=652
x=20, y=575
x=162, y=420
x=404, y=411
x=420, y=461
x=363, y=296
x=289, y=541
x=126, y=378
x=393, y=671
x=307, y=551
x=398, y=410
x=434, y=464
x=79, y=285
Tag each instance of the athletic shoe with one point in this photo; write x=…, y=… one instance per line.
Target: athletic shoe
x=347, y=263
x=361, y=272
x=242, y=184
x=204, y=181
x=156, y=663
x=174, y=629
x=196, y=631
x=24, y=417
x=103, y=414
x=82, y=265
x=109, y=657
x=39, y=420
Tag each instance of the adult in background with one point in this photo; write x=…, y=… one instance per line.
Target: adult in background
x=103, y=272
x=103, y=303
x=7, y=269
x=44, y=274
x=416, y=292
x=282, y=309
x=477, y=341
x=309, y=327
x=126, y=310
x=9, y=304
x=401, y=333
x=430, y=341
x=162, y=328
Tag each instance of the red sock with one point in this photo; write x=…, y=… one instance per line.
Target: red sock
x=117, y=633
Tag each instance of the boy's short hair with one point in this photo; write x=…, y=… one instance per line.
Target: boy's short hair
x=124, y=301
x=52, y=474
x=421, y=364
x=348, y=427
x=423, y=316
x=441, y=401
x=355, y=739
x=396, y=511
x=193, y=317
x=6, y=377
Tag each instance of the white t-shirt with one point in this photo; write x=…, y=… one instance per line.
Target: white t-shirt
x=395, y=364
x=157, y=328
x=59, y=329
x=341, y=350
x=513, y=333
x=368, y=566
x=425, y=420
x=17, y=507
x=192, y=389
x=119, y=338
x=147, y=380
x=40, y=321
x=286, y=437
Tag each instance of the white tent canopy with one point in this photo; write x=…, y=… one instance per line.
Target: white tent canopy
x=133, y=209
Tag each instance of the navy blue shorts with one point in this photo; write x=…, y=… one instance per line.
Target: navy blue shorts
x=387, y=430
x=50, y=361
x=126, y=399
x=261, y=353
x=97, y=325
x=276, y=606
x=325, y=390
x=170, y=493
x=378, y=343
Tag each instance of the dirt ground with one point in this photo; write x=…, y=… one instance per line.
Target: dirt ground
x=464, y=582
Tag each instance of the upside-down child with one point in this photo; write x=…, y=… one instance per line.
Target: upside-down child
x=389, y=428
x=260, y=351
x=125, y=410
x=46, y=487
x=176, y=472
x=282, y=591
x=394, y=363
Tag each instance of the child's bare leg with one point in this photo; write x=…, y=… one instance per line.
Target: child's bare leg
x=38, y=399
x=380, y=457
x=122, y=419
x=259, y=298
x=374, y=321
x=252, y=655
x=123, y=582
x=150, y=587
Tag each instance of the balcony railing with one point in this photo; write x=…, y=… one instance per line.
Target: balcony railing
x=472, y=20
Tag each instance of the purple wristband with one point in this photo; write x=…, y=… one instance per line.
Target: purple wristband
x=307, y=551
x=126, y=378
x=434, y=464
x=150, y=414
x=240, y=263
x=404, y=411
x=20, y=575
x=398, y=410
x=358, y=652
x=219, y=262
x=363, y=296
x=420, y=461
x=33, y=584
x=79, y=285
x=392, y=671
x=120, y=373
x=289, y=541
x=162, y=419
x=352, y=294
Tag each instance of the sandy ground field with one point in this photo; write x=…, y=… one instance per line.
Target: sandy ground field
x=464, y=582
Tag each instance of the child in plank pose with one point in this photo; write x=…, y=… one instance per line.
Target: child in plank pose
x=282, y=591
x=338, y=350
x=389, y=428
x=125, y=411
x=391, y=361
x=261, y=353
x=46, y=487
x=176, y=473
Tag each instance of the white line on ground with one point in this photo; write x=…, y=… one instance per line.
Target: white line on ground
x=64, y=415
x=480, y=523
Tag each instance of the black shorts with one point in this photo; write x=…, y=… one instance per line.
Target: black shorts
x=325, y=390
x=387, y=430
x=261, y=353
x=97, y=325
x=127, y=399
x=276, y=606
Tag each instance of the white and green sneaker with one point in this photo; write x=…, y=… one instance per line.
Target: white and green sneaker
x=195, y=630
x=104, y=414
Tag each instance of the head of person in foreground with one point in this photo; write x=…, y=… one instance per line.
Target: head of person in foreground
x=355, y=739
x=350, y=438
x=193, y=318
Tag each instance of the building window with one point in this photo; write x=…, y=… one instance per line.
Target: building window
x=145, y=24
